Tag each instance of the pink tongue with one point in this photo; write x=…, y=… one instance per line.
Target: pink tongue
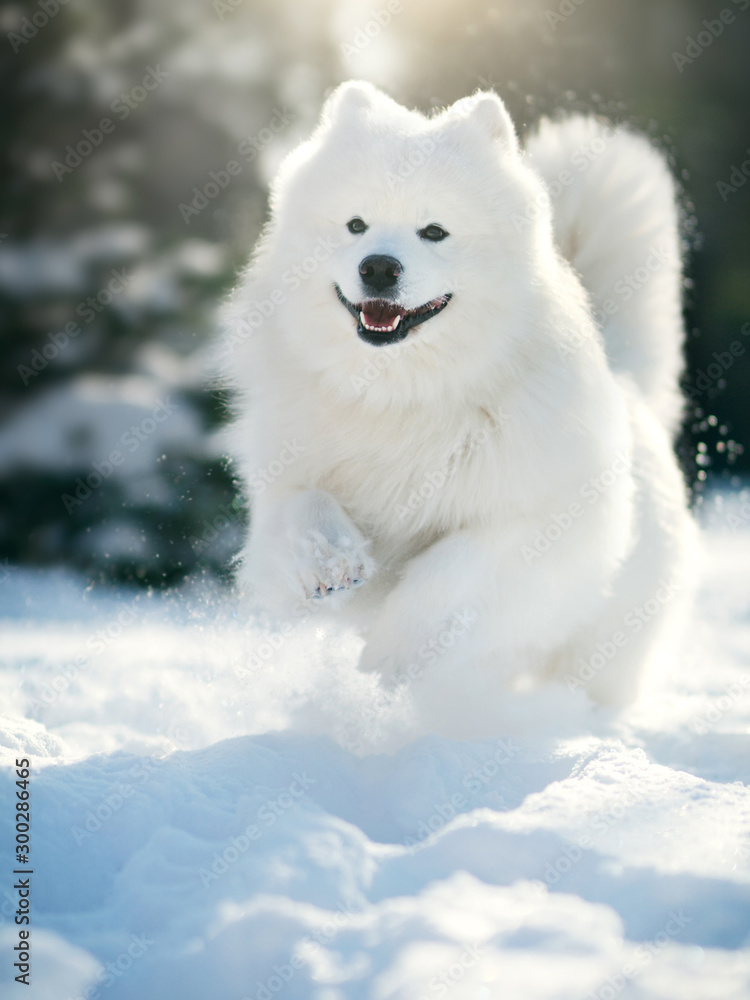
x=383, y=314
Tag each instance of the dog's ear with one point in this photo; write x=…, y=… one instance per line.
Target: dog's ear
x=485, y=110
x=348, y=101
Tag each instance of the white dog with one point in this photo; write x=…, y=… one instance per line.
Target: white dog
x=457, y=365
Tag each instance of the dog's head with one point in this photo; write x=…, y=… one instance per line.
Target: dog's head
x=389, y=226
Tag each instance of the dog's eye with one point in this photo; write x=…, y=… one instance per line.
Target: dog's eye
x=433, y=233
x=356, y=225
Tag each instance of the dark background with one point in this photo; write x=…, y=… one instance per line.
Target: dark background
x=183, y=83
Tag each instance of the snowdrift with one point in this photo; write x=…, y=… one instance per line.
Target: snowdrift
x=221, y=813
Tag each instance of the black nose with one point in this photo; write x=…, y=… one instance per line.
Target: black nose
x=379, y=272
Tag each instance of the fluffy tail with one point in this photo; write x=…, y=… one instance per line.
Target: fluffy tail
x=616, y=220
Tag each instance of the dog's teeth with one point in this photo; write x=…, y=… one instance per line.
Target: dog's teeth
x=379, y=329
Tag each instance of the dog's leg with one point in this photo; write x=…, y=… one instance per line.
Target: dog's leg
x=303, y=546
x=471, y=595
x=438, y=610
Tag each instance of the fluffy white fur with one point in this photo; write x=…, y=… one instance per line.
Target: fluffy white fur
x=435, y=470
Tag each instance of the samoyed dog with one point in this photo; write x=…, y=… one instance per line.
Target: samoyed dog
x=457, y=361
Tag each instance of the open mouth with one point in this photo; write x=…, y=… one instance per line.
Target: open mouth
x=380, y=321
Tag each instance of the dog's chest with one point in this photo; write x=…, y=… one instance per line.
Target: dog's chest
x=404, y=478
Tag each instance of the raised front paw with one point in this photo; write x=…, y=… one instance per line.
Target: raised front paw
x=326, y=566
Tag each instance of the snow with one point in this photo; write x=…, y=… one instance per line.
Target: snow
x=223, y=811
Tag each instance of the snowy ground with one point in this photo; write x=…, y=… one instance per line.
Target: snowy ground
x=203, y=829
